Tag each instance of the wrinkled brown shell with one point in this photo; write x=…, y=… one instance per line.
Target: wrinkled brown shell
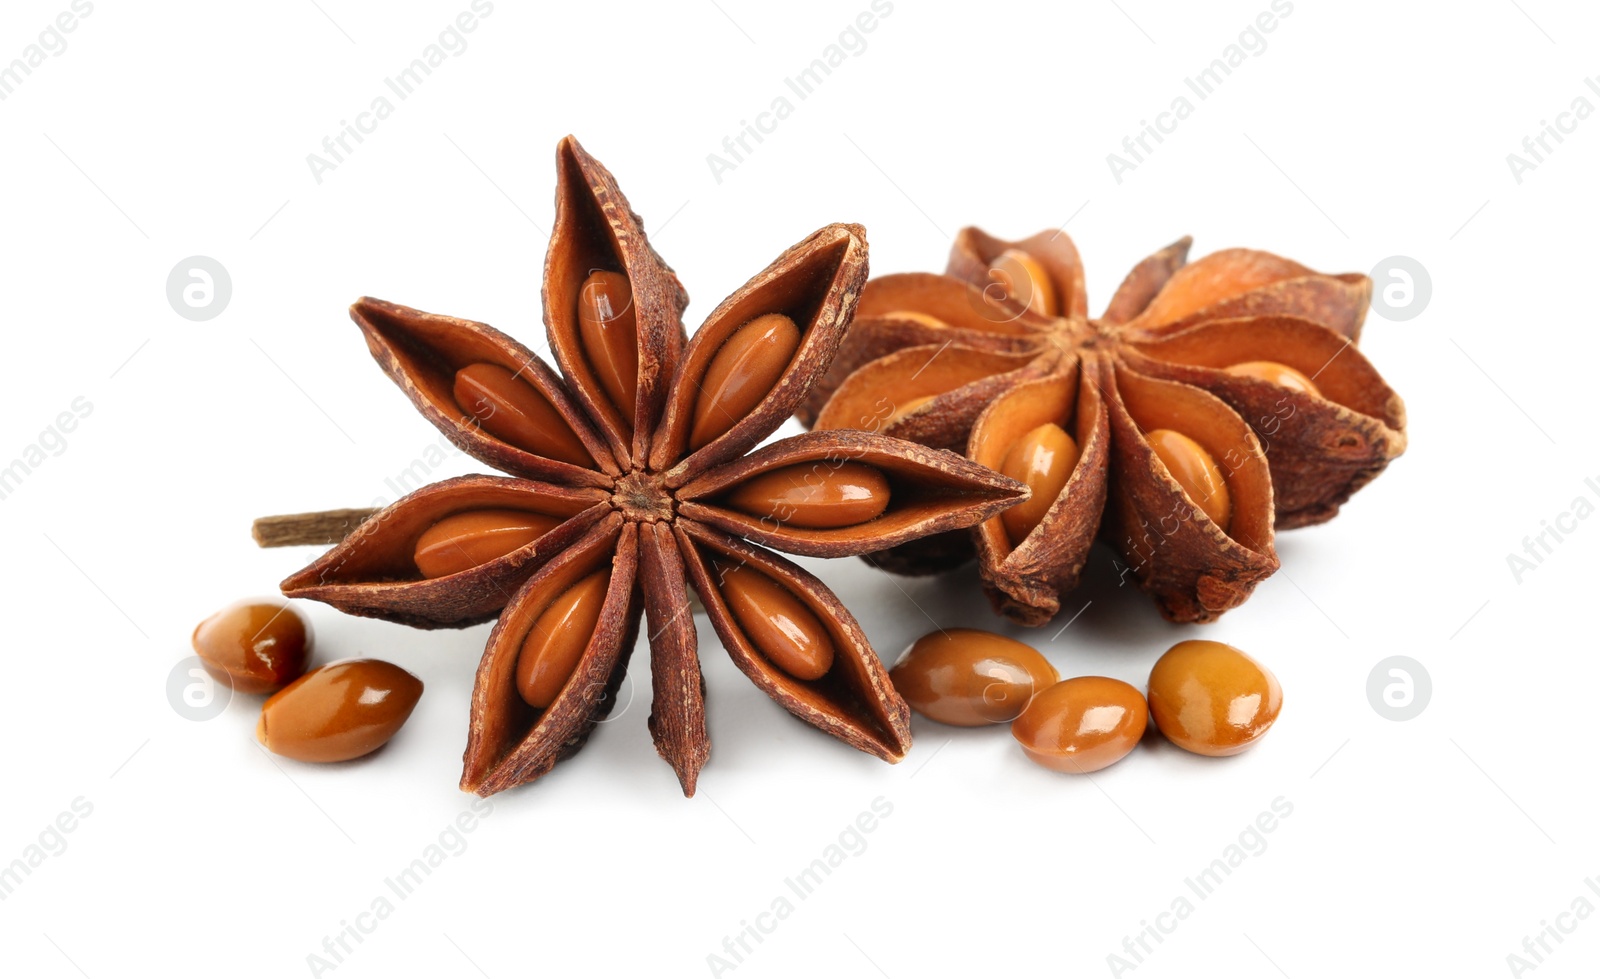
x=648, y=509
x=1155, y=358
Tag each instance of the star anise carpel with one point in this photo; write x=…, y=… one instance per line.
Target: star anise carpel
x=1209, y=404
x=634, y=475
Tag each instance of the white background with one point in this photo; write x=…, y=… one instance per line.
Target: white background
x=1363, y=130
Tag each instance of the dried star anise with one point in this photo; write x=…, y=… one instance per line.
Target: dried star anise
x=632, y=479
x=1208, y=403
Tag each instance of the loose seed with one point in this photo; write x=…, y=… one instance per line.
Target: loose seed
x=466, y=540
x=1044, y=459
x=254, y=647
x=1195, y=471
x=814, y=495
x=776, y=622
x=512, y=410
x=339, y=712
x=968, y=677
x=1212, y=699
x=610, y=332
x=1082, y=725
x=1026, y=281
x=553, y=646
x=744, y=369
x=1275, y=373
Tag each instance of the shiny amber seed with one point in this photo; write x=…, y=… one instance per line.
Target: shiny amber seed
x=551, y=650
x=339, y=712
x=1025, y=281
x=1212, y=699
x=610, y=333
x=744, y=369
x=925, y=319
x=968, y=677
x=776, y=622
x=1275, y=373
x=1082, y=725
x=1196, y=471
x=815, y=495
x=513, y=411
x=468, y=539
x=1043, y=459
x=254, y=647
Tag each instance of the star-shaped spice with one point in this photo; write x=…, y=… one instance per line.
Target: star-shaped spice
x=1208, y=403
x=632, y=478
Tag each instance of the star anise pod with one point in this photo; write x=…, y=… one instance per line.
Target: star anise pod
x=1208, y=403
x=632, y=479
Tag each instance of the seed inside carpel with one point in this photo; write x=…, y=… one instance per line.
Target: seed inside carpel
x=1195, y=471
x=776, y=622
x=1026, y=282
x=815, y=495
x=552, y=648
x=607, y=325
x=1043, y=459
x=744, y=370
x=473, y=537
x=513, y=411
x=1275, y=373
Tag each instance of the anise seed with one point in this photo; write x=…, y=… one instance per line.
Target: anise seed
x=815, y=496
x=968, y=677
x=1196, y=471
x=557, y=639
x=466, y=540
x=513, y=411
x=744, y=369
x=1275, y=373
x=608, y=324
x=1044, y=459
x=1026, y=281
x=777, y=623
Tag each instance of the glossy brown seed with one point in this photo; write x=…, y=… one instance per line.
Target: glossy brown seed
x=466, y=540
x=777, y=623
x=1025, y=281
x=815, y=495
x=338, y=712
x=1082, y=725
x=557, y=640
x=513, y=411
x=1275, y=373
x=254, y=647
x=1044, y=459
x=1212, y=699
x=743, y=371
x=606, y=322
x=1195, y=471
x=968, y=677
